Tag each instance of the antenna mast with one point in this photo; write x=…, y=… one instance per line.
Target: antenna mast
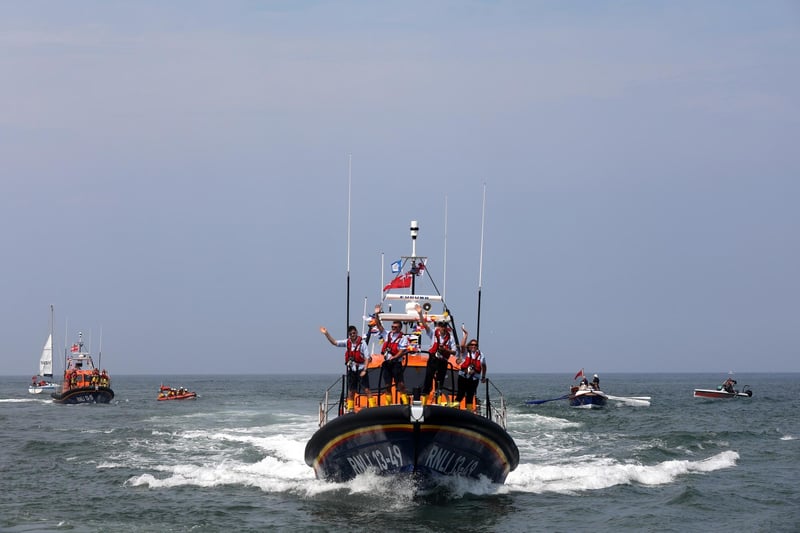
x=414, y=229
x=349, y=187
x=100, y=350
x=480, y=267
x=444, y=262
x=414, y=232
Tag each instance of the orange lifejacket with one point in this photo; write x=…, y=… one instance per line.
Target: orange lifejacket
x=473, y=359
x=391, y=347
x=353, y=352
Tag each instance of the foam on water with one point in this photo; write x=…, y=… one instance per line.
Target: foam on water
x=539, y=422
x=592, y=473
x=208, y=458
x=27, y=400
x=270, y=475
x=396, y=493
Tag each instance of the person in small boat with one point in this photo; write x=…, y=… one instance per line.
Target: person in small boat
x=395, y=347
x=728, y=385
x=472, y=369
x=584, y=384
x=595, y=384
x=356, y=359
x=439, y=353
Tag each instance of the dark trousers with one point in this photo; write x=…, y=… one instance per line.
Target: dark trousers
x=466, y=389
x=393, y=371
x=435, y=370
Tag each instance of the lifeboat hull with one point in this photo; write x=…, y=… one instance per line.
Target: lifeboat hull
x=431, y=442
x=84, y=395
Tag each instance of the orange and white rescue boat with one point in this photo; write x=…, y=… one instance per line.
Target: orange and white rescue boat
x=83, y=381
x=407, y=432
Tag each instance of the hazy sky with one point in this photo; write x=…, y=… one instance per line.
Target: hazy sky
x=175, y=175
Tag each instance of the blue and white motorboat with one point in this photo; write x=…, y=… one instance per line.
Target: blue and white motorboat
x=587, y=398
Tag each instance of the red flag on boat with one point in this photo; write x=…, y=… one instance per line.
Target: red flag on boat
x=403, y=281
x=579, y=374
x=74, y=348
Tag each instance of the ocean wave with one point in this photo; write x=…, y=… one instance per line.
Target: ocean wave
x=600, y=473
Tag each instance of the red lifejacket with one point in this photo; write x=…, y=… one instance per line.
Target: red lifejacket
x=354, y=352
x=473, y=359
x=391, y=347
x=439, y=340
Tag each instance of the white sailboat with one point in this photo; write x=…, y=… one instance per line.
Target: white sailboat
x=42, y=382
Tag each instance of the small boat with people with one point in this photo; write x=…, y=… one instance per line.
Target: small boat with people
x=43, y=381
x=587, y=395
x=587, y=398
x=39, y=385
x=83, y=381
x=726, y=390
x=166, y=393
x=404, y=407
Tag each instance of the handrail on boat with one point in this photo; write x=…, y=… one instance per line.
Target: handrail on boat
x=324, y=405
x=496, y=414
x=495, y=409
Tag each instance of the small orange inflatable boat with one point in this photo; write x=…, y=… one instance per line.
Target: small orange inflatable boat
x=170, y=393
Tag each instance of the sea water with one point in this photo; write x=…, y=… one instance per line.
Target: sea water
x=232, y=460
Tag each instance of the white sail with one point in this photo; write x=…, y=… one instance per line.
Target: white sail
x=46, y=361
